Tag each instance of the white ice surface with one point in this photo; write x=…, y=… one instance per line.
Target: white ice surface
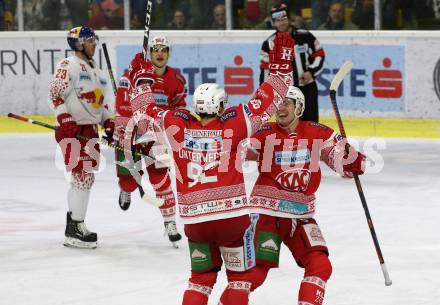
x=135, y=264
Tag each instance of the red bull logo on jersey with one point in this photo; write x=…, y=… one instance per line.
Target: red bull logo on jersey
x=295, y=180
x=94, y=98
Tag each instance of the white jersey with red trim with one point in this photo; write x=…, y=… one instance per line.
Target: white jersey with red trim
x=80, y=90
x=208, y=159
x=289, y=171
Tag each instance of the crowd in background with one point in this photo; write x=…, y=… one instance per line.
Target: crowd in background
x=40, y=15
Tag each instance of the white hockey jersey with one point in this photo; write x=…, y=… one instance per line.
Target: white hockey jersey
x=80, y=90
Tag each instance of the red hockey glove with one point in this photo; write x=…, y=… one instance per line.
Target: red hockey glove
x=281, y=54
x=357, y=166
x=68, y=127
x=141, y=70
x=109, y=129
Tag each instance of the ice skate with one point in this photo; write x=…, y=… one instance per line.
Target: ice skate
x=78, y=236
x=124, y=200
x=173, y=235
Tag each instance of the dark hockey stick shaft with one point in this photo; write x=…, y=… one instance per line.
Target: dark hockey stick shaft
x=333, y=88
x=109, y=67
x=147, y=28
x=112, y=79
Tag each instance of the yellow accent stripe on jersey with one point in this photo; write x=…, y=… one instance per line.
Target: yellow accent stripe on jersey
x=355, y=127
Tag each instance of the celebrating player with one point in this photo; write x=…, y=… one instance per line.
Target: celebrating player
x=169, y=90
x=77, y=97
x=284, y=193
x=210, y=184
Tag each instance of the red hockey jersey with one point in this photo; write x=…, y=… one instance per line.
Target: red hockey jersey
x=169, y=93
x=288, y=164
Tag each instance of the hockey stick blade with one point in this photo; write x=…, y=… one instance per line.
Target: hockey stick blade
x=157, y=202
x=345, y=68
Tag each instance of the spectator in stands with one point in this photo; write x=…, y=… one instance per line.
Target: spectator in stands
x=336, y=19
x=178, y=22
x=79, y=12
x=5, y=16
x=41, y=15
x=264, y=21
x=363, y=14
x=200, y=18
x=319, y=12
x=219, y=14
x=109, y=17
x=297, y=21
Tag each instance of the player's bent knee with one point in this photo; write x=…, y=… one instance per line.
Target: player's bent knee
x=258, y=275
x=205, y=279
x=317, y=264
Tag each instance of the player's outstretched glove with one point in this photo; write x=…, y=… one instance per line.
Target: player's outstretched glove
x=141, y=70
x=109, y=129
x=68, y=127
x=355, y=167
x=281, y=54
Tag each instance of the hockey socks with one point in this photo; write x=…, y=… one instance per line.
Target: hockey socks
x=317, y=271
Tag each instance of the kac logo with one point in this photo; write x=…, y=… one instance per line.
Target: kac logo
x=295, y=180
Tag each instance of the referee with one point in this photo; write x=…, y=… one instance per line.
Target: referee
x=308, y=60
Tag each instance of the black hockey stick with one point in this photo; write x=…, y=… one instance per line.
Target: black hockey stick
x=345, y=68
x=147, y=28
x=152, y=200
x=145, y=197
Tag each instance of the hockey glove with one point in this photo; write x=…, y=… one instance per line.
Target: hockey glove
x=68, y=127
x=281, y=54
x=355, y=167
x=109, y=129
x=141, y=70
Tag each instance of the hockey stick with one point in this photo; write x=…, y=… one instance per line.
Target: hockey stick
x=152, y=200
x=148, y=199
x=147, y=28
x=345, y=68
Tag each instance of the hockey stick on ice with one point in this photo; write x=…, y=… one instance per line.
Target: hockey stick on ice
x=152, y=200
x=148, y=199
x=345, y=68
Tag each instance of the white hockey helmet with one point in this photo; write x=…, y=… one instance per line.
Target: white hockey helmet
x=160, y=40
x=208, y=98
x=295, y=94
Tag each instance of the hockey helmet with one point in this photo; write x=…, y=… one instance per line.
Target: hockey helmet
x=79, y=35
x=296, y=94
x=160, y=41
x=208, y=98
x=279, y=11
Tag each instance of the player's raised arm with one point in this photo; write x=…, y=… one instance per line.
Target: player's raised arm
x=270, y=94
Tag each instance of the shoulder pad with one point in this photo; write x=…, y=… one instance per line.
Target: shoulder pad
x=229, y=114
x=181, y=114
x=180, y=77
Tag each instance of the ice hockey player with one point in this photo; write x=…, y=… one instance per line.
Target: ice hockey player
x=210, y=185
x=169, y=90
x=284, y=193
x=77, y=95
